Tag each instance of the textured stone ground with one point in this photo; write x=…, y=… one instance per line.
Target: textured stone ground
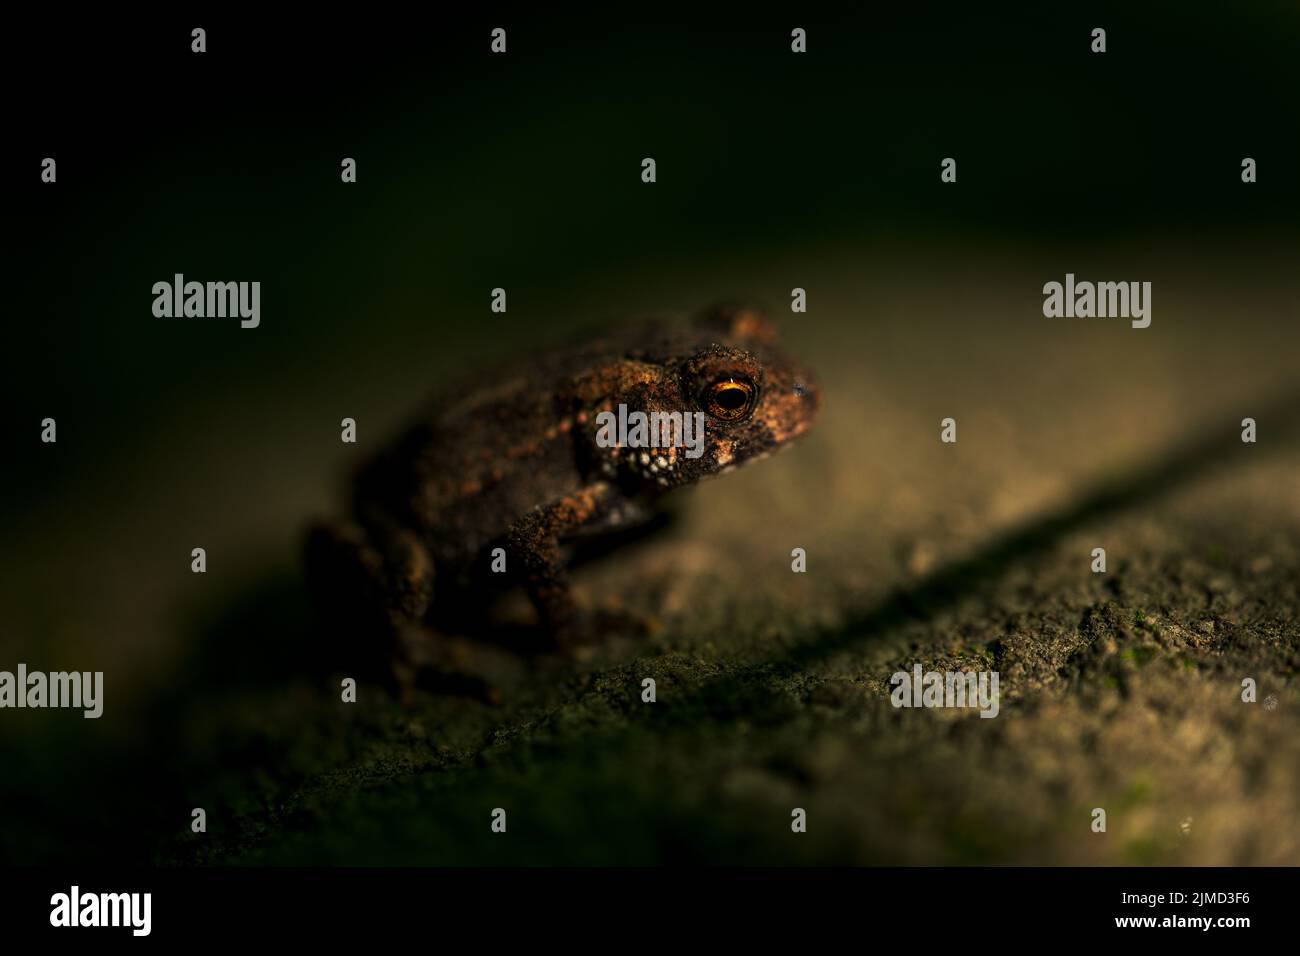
x=1118, y=691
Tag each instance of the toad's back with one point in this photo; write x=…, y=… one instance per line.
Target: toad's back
x=474, y=462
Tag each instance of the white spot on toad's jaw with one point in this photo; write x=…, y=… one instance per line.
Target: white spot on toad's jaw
x=725, y=452
x=661, y=461
x=645, y=459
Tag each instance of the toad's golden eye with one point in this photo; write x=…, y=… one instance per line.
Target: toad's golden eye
x=730, y=398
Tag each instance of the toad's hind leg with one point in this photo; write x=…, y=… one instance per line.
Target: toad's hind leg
x=373, y=584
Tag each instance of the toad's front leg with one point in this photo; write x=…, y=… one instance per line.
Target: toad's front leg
x=534, y=543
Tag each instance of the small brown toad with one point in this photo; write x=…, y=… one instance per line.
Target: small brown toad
x=481, y=493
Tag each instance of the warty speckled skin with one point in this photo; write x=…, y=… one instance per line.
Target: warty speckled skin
x=513, y=463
